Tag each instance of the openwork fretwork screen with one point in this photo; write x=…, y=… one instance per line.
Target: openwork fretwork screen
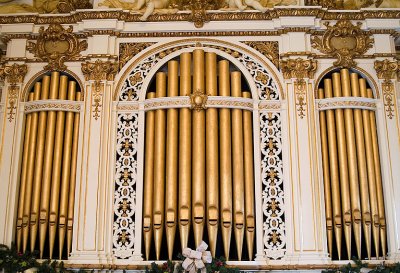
x=355, y=212
x=192, y=145
x=48, y=171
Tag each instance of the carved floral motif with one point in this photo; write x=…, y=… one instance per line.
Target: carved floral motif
x=57, y=45
x=14, y=74
x=269, y=49
x=99, y=71
x=129, y=50
x=344, y=40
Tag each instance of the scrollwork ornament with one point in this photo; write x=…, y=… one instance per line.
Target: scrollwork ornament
x=388, y=98
x=57, y=45
x=269, y=49
x=198, y=100
x=99, y=71
x=345, y=41
x=386, y=69
x=14, y=75
x=300, y=91
x=199, y=15
x=298, y=68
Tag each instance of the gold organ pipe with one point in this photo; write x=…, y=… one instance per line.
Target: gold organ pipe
x=30, y=169
x=198, y=149
x=24, y=171
x=37, y=179
x=248, y=178
x=343, y=169
x=379, y=188
x=66, y=169
x=148, y=180
x=185, y=152
x=212, y=154
x=74, y=158
x=326, y=173
x=159, y=166
x=56, y=173
x=171, y=160
x=352, y=162
x=47, y=164
x=225, y=158
x=362, y=165
x=237, y=162
x=370, y=169
x=334, y=169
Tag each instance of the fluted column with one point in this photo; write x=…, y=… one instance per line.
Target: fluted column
x=308, y=227
x=94, y=195
x=387, y=120
x=11, y=127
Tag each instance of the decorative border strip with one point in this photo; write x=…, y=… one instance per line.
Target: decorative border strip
x=349, y=102
x=53, y=105
x=270, y=105
x=184, y=102
x=79, y=16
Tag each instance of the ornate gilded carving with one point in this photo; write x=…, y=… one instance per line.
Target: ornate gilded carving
x=386, y=69
x=199, y=15
x=298, y=68
x=56, y=45
x=388, y=98
x=14, y=74
x=198, y=100
x=344, y=40
x=128, y=50
x=269, y=49
x=66, y=6
x=99, y=71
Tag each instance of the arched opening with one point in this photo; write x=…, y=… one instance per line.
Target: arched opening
x=48, y=166
x=354, y=203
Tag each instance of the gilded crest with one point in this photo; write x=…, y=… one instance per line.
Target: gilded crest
x=344, y=40
x=56, y=45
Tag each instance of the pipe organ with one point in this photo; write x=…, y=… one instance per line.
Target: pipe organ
x=48, y=169
x=272, y=135
x=198, y=171
x=352, y=173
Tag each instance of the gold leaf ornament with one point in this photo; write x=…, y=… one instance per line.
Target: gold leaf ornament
x=57, y=45
x=344, y=41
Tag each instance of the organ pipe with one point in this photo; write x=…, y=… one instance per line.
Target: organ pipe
x=212, y=154
x=326, y=174
x=343, y=167
x=48, y=161
x=185, y=152
x=355, y=147
x=48, y=169
x=37, y=179
x=237, y=164
x=148, y=180
x=248, y=178
x=205, y=157
x=198, y=151
x=171, y=160
x=225, y=163
x=159, y=166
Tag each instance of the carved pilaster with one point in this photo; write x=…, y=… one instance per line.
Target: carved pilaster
x=299, y=69
x=386, y=70
x=14, y=76
x=97, y=72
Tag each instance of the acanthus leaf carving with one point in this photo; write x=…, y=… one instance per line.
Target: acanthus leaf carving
x=386, y=69
x=269, y=49
x=99, y=71
x=129, y=50
x=298, y=68
x=57, y=45
x=344, y=40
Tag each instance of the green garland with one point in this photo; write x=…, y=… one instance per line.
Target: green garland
x=12, y=261
x=217, y=265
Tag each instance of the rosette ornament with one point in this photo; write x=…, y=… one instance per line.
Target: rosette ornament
x=196, y=259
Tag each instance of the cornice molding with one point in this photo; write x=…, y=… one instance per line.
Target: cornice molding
x=126, y=16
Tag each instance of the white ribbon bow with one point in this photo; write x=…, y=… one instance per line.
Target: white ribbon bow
x=196, y=259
